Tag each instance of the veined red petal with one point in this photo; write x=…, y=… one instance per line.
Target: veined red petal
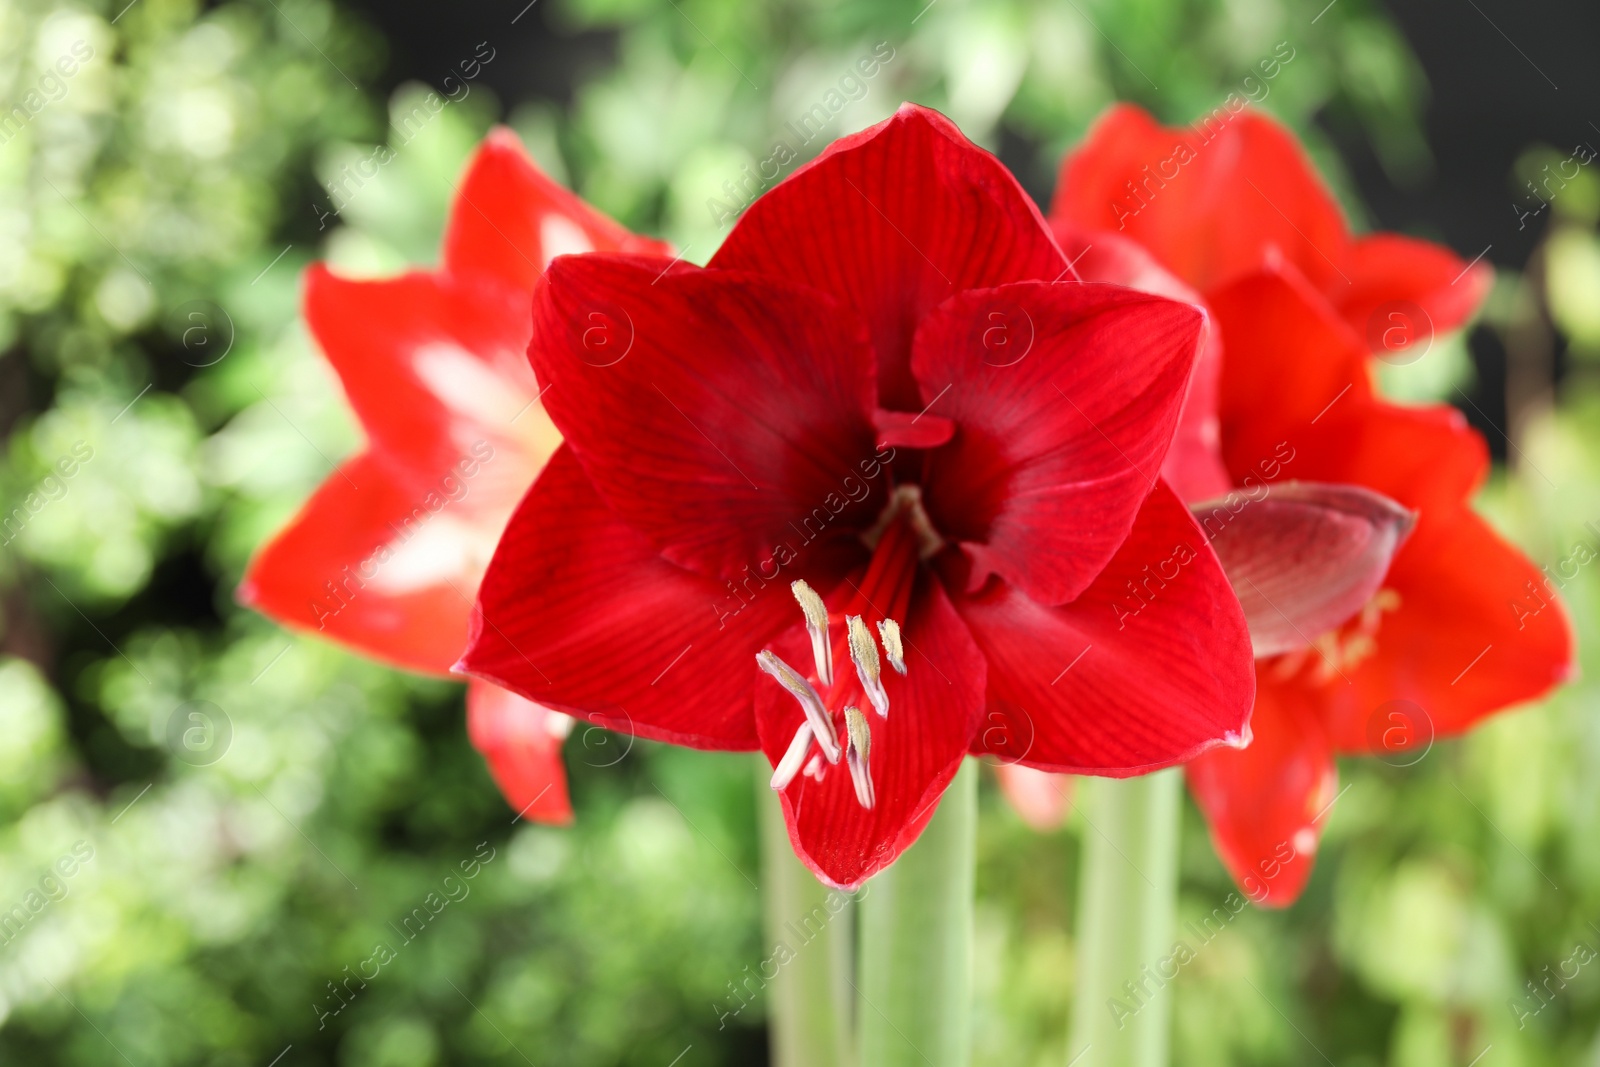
x=1193, y=466
x=934, y=710
x=434, y=367
x=521, y=742
x=723, y=415
x=1388, y=271
x=1266, y=803
x=509, y=220
x=1062, y=429
x=1210, y=201
x=1149, y=667
x=1290, y=364
x=891, y=221
x=375, y=565
x=579, y=613
x=1303, y=556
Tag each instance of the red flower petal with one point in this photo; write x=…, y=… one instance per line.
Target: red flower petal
x=1223, y=198
x=435, y=367
x=1210, y=201
x=1061, y=437
x=1477, y=629
x=1266, y=803
x=1461, y=588
x=578, y=612
x=370, y=563
x=890, y=222
x=934, y=710
x=1149, y=667
x=509, y=220
x=1387, y=269
x=1290, y=364
x=1304, y=558
x=521, y=742
x=902, y=429
x=1426, y=459
x=1193, y=466
x=720, y=414
x=432, y=367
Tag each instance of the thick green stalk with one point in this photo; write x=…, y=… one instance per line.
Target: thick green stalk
x=809, y=933
x=1127, y=902
x=915, y=985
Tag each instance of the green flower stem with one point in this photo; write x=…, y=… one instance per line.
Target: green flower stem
x=809, y=1001
x=1126, y=916
x=915, y=986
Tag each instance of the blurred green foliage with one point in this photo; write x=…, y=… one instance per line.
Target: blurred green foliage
x=155, y=209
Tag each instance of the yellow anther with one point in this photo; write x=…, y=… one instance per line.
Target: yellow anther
x=864, y=654
x=858, y=752
x=810, y=701
x=816, y=613
x=889, y=630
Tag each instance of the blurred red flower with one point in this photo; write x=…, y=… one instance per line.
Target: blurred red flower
x=386, y=556
x=876, y=392
x=1217, y=201
x=1305, y=481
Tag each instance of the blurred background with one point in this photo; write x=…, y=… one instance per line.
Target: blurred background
x=215, y=819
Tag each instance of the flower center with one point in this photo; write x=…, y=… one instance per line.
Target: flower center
x=826, y=695
x=905, y=505
x=1343, y=647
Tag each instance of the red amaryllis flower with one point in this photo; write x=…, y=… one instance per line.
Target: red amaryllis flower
x=864, y=492
x=1322, y=482
x=387, y=555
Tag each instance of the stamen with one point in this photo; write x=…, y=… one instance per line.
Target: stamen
x=864, y=654
x=816, y=712
x=889, y=630
x=1342, y=648
x=789, y=766
x=817, y=626
x=814, y=769
x=858, y=751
